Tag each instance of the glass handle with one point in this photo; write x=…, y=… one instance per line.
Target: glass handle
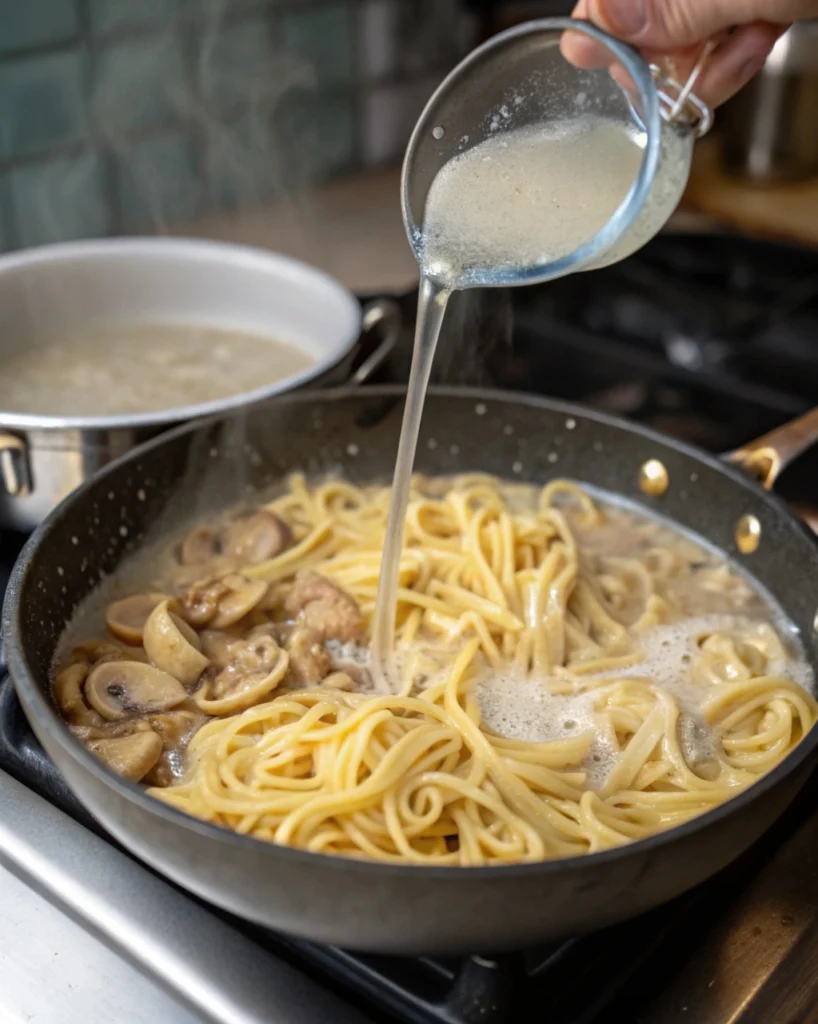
x=678, y=103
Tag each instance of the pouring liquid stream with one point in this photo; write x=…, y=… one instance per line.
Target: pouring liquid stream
x=432, y=303
x=521, y=198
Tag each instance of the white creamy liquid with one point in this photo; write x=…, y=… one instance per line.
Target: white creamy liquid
x=527, y=197
x=522, y=197
x=136, y=368
x=522, y=707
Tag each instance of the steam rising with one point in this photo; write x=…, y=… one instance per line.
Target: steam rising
x=207, y=112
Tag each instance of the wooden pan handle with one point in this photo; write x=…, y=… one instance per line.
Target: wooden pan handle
x=765, y=458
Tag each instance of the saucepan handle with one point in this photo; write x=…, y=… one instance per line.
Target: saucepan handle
x=765, y=458
x=15, y=472
x=383, y=318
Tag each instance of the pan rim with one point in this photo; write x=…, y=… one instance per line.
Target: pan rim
x=39, y=708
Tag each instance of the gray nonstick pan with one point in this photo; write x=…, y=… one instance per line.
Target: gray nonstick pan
x=198, y=469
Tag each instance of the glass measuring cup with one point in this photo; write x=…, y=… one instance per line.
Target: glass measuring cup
x=520, y=80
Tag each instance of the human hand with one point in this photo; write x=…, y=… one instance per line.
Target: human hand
x=675, y=30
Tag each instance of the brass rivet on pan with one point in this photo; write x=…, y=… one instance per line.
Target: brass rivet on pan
x=748, y=534
x=653, y=478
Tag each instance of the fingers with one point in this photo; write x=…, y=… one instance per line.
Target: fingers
x=674, y=39
x=669, y=24
x=737, y=59
x=579, y=49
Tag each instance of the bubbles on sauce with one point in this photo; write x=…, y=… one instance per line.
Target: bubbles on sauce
x=522, y=707
x=525, y=708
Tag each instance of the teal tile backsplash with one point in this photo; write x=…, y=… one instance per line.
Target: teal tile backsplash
x=121, y=116
x=36, y=23
x=236, y=61
x=160, y=182
x=323, y=36
x=61, y=199
x=119, y=15
x=139, y=84
x=244, y=165
x=42, y=102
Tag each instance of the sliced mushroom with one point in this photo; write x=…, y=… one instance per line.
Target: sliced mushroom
x=199, y=546
x=309, y=662
x=108, y=730
x=258, y=668
x=132, y=756
x=117, y=689
x=97, y=651
x=249, y=539
x=126, y=618
x=222, y=602
x=257, y=537
x=188, y=575
x=68, y=695
x=173, y=646
x=326, y=608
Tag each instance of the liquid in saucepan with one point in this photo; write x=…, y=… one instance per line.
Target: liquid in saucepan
x=141, y=368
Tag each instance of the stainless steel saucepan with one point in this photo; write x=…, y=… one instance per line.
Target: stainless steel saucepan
x=199, y=469
x=61, y=289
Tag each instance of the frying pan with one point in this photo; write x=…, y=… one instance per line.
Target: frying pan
x=201, y=468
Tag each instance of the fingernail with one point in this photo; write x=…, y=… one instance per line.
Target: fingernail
x=625, y=18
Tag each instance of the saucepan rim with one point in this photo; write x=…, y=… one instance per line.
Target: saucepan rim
x=37, y=705
x=278, y=265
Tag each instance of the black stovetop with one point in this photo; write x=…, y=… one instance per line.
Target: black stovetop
x=714, y=340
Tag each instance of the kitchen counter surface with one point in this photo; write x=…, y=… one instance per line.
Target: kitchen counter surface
x=787, y=212
x=352, y=228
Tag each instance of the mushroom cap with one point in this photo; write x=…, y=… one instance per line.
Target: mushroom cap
x=244, y=595
x=231, y=691
x=199, y=546
x=126, y=618
x=68, y=695
x=118, y=689
x=255, y=538
x=173, y=646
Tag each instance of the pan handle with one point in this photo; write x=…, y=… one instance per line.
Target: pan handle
x=383, y=317
x=765, y=458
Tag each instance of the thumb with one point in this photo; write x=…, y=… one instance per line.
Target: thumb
x=665, y=25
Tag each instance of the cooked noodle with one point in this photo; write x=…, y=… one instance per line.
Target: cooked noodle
x=642, y=679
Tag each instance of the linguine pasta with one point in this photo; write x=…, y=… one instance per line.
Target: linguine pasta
x=568, y=678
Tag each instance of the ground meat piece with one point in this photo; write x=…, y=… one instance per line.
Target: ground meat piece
x=309, y=662
x=220, y=603
x=258, y=653
x=202, y=601
x=254, y=656
x=325, y=608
